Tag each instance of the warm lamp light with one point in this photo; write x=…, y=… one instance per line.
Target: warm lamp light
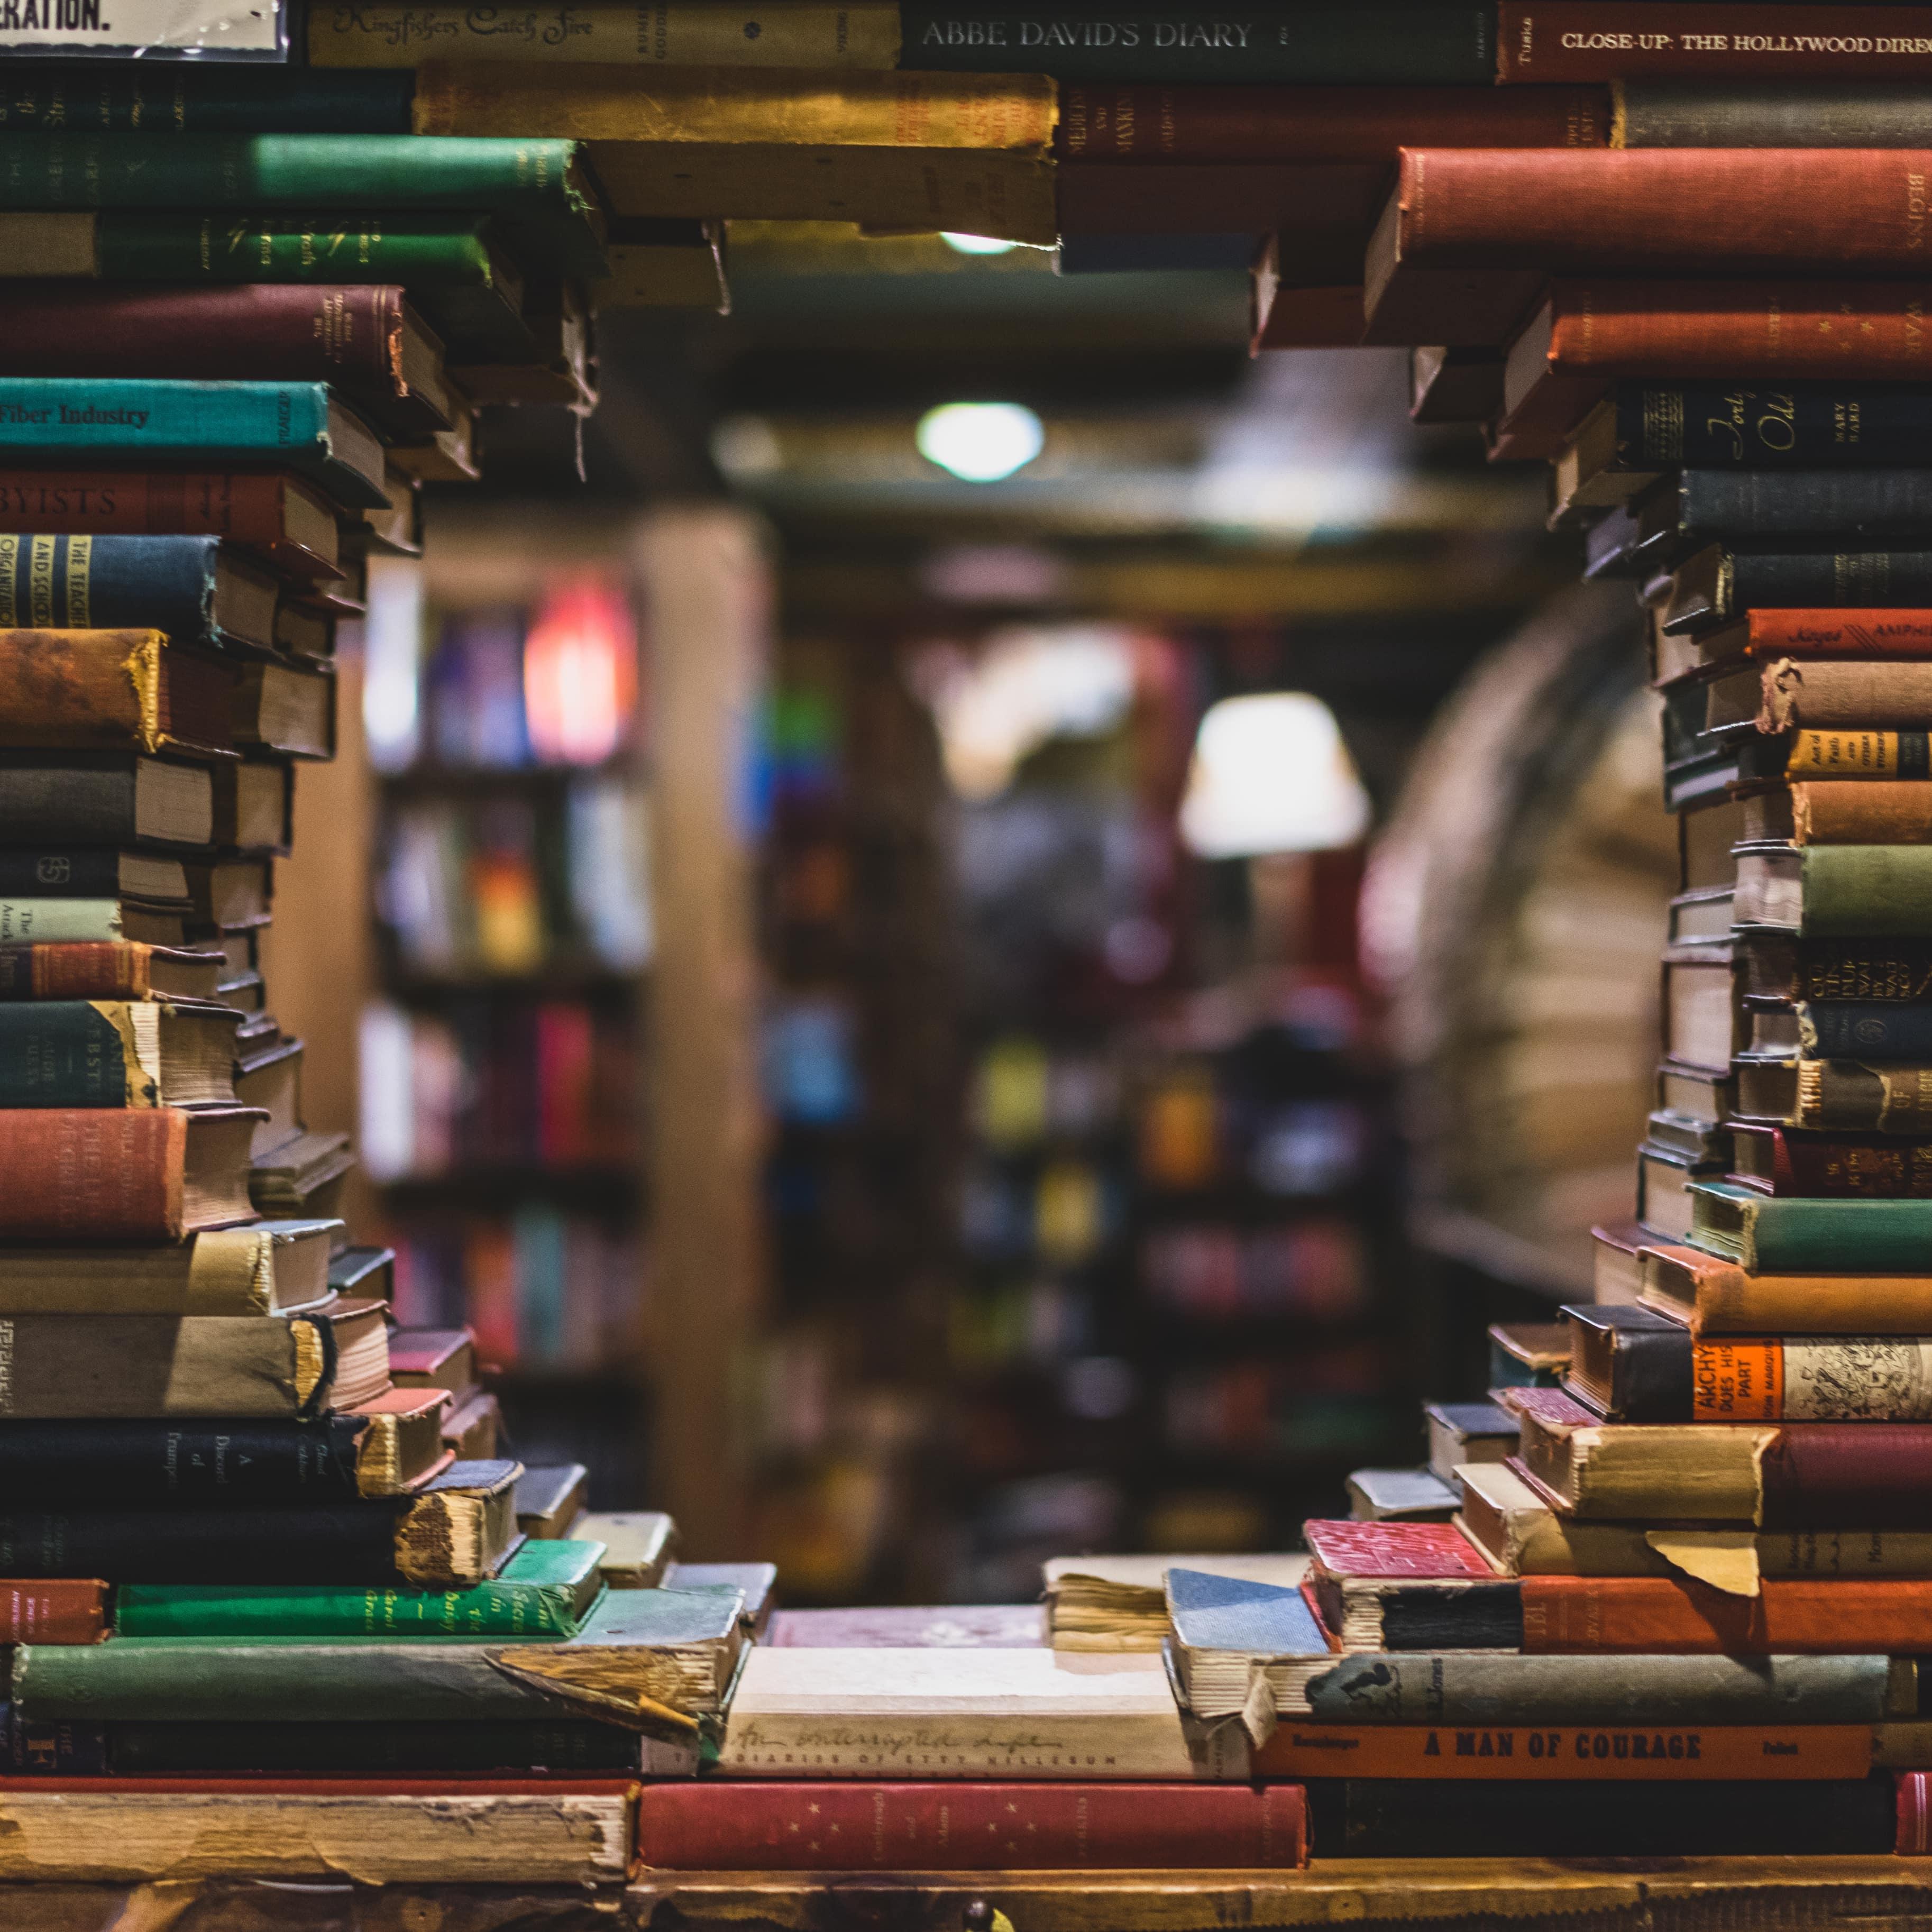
x=1270, y=774
x=980, y=442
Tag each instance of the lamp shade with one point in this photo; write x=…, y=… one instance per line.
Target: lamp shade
x=1270, y=773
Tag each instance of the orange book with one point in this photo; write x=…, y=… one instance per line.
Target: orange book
x=1566, y=1752
x=1790, y=1615
x=1823, y=634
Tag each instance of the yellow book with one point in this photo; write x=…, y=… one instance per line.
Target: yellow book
x=698, y=33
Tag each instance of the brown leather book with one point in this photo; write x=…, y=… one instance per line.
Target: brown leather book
x=366, y=341
x=111, y=690
x=1282, y=316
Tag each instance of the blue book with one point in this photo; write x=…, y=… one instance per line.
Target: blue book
x=161, y=98
x=1865, y=1029
x=193, y=588
x=1235, y=1641
x=106, y=424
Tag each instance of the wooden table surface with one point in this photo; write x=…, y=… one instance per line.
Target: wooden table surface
x=1856, y=1895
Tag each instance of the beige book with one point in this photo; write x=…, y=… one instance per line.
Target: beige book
x=122, y=1836
x=1698, y=1472
x=271, y=1268
x=637, y=1545
x=947, y=1714
x=778, y=33
x=1107, y=1604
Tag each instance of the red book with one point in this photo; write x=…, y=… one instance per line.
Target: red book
x=1280, y=317
x=1570, y=40
x=1114, y=123
x=1914, y=1814
x=364, y=340
x=1588, y=333
x=912, y=1627
x=1518, y=215
x=1427, y=1549
x=1792, y=1616
x=279, y=516
x=101, y=1173
x=1840, y=1167
x=775, y=1826
x=69, y=1609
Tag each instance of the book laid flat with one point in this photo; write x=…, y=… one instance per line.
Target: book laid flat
x=911, y=1626
x=1855, y=891
x=755, y=1584
x=1655, y=1615
x=104, y=423
x=550, y=1498
x=1227, y=1630
x=1392, y=1495
x=53, y=1610
x=1407, y=1586
x=1589, y=1754
x=1783, y=1162
x=194, y=588
x=71, y=1366
x=384, y=1447
x=814, y=1826
x=1765, y=1235
x=653, y=1656
x=362, y=338
x=204, y=97
x=112, y=690
x=1785, y=113
x=86, y=1173
x=115, y=1053
x=271, y=1268
x=106, y=798
x=1027, y=1714
x=637, y=1543
x=546, y=1589
x=1120, y=1602
x=110, y=1830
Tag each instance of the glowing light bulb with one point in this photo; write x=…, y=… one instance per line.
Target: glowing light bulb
x=977, y=244
x=980, y=442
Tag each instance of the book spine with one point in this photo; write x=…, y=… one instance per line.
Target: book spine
x=1847, y=969
x=1842, y=114
x=1874, y=1030
x=1732, y=1302
x=1395, y=45
x=1658, y=1615
x=1706, y=426
x=1824, y=1475
x=495, y=1609
x=1742, y=331
x=80, y=688
x=1838, y=1168
x=185, y=1462
x=1812, y=1379
x=1845, y=634
x=1858, y=890
x=350, y=1542
x=1844, y=1096
x=1552, y=41
x=74, y=414
x=322, y=1749
x=50, y=1750
x=107, y=582
x=1651, y=1375
x=1858, y=755
x=1913, y=1814
x=82, y=872
x=55, y=1610
x=251, y=247
x=1659, y=1752
x=260, y=331
x=1499, y=1689
x=1744, y=504
x=1317, y=125
x=819, y=1825
x=1834, y=693
x=70, y=1053
x=243, y=507
x=80, y=1174
x=46, y=802
x=159, y=98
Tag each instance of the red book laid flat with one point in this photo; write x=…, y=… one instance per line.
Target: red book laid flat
x=714, y=1826
x=1100, y=122
x=1789, y=1616
x=279, y=516
x=1624, y=1754
x=1515, y=215
x=63, y=1610
x=1570, y=40
x=1426, y=1549
x=1587, y=332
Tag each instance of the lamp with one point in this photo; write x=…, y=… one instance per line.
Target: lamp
x=1270, y=773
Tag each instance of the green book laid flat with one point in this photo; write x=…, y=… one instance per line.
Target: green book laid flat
x=545, y=1591
x=661, y=1655
x=537, y=189
x=155, y=425
x=1836, y=891
x=1765, y=1234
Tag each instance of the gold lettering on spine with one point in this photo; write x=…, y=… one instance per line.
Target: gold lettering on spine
x=40, y=583
x=10, y=569
x=80, y=584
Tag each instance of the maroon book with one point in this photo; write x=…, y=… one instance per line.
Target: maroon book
x=913, y=1627
x=781, y=1826
x=1823, y=1475
x=1880, y=1167
x=364, y=341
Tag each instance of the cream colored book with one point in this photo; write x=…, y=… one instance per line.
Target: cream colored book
x=637, y=1545
x=1108, y=1603
x=270, y=1267
x=977, y=1714
x=777, y=33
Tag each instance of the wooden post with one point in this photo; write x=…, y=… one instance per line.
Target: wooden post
x=706, y=593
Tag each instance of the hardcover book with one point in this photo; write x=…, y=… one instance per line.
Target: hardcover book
x=1227, y=1631
x=79, y=1174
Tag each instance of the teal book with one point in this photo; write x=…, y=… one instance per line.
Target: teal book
x=537, y=189
x=1789, y=1235
x=110, y=424
x=640, y=1653
x=546, y=1590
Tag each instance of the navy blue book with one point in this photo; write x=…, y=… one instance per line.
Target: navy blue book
x=1865, y=1029
x=198, y=589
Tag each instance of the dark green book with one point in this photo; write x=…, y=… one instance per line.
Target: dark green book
x=545, y=1591
x=157, y=98
x=318, y=1751
x=537, y=189
x=1767, y=1234
x=101, y=423
x=114, y=1053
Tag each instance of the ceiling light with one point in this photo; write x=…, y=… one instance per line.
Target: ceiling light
x=1271, y=774
x=980, y=442
x=978, y=244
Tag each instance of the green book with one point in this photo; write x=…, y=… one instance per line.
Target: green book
x=1781, y=1234
x=637, y=1649
x=1837, y=891
x=545, y=1590
x=148, y=425
x=537, y=189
